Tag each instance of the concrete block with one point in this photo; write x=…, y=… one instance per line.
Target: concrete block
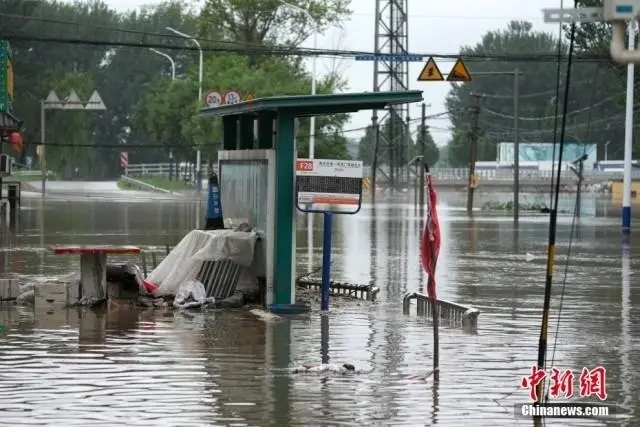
x=9, y=289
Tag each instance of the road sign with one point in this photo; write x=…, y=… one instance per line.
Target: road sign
x=213, y=98
x=124, y=159
x=430, y=72
x=249, y=97
x=459, y=72
x=232, y=97
x=72, y=102
x=390, y=57
x=329, y=185
x=95, y=102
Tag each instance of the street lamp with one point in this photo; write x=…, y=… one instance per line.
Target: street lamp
x=312, y=124
x=195, y=41
x=605, y=150
x=173, y=64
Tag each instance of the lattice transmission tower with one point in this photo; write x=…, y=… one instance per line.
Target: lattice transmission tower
x=391, y=73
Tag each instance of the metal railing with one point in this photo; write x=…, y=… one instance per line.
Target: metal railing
x=163, y=169
x=443, y=174
x=453, y=313
x=144, y=186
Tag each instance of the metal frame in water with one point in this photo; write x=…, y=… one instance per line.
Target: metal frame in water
x=457, y=315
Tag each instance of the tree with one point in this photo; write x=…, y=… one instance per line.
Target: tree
x=270, y=21
x=595, y=38
x=592, y=111
x=169, y=113
x=129, y=77
x=366, y=146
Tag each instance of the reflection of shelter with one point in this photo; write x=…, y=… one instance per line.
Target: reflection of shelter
x=257, y=172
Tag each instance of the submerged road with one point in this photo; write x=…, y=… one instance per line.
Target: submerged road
x=83, y=190
x=228, y=368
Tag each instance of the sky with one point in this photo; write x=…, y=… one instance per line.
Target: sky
x=434, y=27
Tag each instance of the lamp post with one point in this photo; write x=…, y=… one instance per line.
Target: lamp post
x=195, y=41
x=170, y=59
x=606, y=154
x=312, y=120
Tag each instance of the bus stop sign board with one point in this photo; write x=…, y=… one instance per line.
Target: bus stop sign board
x=329, y=185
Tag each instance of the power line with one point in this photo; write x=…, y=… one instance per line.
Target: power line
x=186, y=145
x=289, y=51
x=582, y=110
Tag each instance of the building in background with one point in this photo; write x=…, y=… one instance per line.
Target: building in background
x=542, y=154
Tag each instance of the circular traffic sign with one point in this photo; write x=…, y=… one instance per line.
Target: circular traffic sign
x=232, y=97
x=213, y=98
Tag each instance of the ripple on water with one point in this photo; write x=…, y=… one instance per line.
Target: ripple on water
x=230, y=369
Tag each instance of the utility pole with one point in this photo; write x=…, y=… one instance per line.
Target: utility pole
x=516, y=129
x=473, y=151
x=376, y=147
x=516, y=145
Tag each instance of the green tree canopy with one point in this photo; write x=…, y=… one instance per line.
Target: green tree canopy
x=144, y=107
x=169, y=112
x=594, y=114
x=366, y=146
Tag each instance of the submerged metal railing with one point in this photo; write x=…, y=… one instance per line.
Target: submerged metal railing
x=219, y=278
x=364, y=292
x=455, y=314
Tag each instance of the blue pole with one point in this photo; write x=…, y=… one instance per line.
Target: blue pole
x=326, y=260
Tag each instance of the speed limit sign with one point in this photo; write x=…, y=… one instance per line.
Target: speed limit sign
x=232, y=97
x=213, y=99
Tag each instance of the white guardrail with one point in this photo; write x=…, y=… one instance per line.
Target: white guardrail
x=445, y=174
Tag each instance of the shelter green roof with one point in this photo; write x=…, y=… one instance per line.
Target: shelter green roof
x=311, y=105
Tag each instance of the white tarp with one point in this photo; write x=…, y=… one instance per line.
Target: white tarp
x=184, y=262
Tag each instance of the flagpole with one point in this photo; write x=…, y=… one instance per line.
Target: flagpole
x=434, y=306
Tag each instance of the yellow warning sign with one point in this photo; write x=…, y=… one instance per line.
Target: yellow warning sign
x=459, y=72
x=249, y=97
x=430, y=72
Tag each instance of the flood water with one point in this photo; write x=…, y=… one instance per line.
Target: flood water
x=228, y=368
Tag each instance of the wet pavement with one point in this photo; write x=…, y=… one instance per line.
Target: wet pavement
x=228, y=368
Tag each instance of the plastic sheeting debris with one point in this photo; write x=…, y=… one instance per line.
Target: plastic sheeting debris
x=185, y=260
x=192, y=295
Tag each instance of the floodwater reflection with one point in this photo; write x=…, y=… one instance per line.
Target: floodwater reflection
x=119, y=367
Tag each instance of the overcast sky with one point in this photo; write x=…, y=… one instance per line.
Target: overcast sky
x=433, y=28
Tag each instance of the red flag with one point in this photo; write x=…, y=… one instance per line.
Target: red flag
x=431, y=240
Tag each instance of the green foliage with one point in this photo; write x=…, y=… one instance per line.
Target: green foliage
x=426, y=144
x=143, y=106
x=594, y=113
x=271, y=21
x=366, y=146
x=169, y=112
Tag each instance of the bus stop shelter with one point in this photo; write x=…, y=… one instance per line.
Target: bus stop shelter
x=275, y=117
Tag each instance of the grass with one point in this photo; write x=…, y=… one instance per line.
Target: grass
x=157, y=181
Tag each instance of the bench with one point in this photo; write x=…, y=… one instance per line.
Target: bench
x=93, y=266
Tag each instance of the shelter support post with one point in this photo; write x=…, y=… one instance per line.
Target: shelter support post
x=284, y=262
x=230, y=133
x=246, y=133
x=265, y=131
